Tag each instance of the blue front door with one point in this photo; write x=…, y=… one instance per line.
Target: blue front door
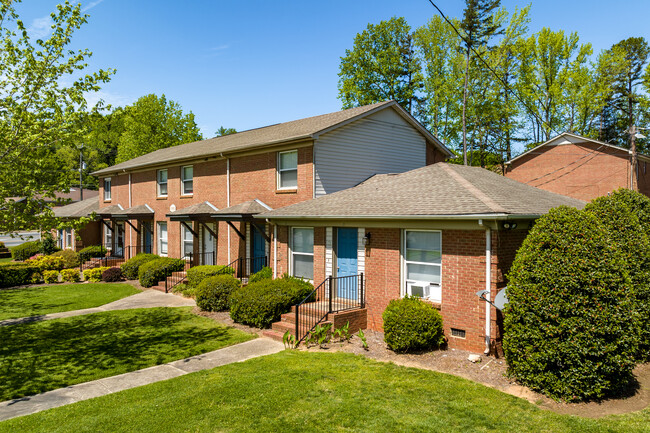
x=346, y=262
x=147, y=239
x=259, y=251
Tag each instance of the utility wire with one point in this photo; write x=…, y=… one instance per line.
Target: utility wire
x=595, y=154
x=506, y=86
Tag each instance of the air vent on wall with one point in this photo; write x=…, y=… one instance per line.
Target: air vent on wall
x=460, y=333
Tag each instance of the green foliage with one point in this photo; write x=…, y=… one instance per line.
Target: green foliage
x=224, y=131
x=265, y=273
x=570, y=328
x=157, y=270
x=50, y=277
x=48, y=244
x=48, y=263
x=94, y=275
x=262, y=303
x=2, y=245
x=412, y=324
x=342, y=333
x=17, y=274
x=70, y=275
x=153, y=123
x=131, y=267
x=70, y=258
x=112, y=275
x=213, y=293
x=25, y=250
x=289, y=340
x=362, y=337
x=199, y=273
x=90, y=252
x=320, y=335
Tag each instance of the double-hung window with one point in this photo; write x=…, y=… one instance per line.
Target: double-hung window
x=187, y=180
x=188, y=242
x=108, y=238
x=68, y=238
x=162, y=183
x=162, y=238
x=107, y=189
x=423, y=264
x=302, y=252
x=288, y=170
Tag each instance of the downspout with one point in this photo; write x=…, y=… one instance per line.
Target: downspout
x=130, y=204
x=275, y=251
x=488, y=287
x=228, y=199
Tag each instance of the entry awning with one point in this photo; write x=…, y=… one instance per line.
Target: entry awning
x=204, y=210
x=116, y=212
x=245, y=211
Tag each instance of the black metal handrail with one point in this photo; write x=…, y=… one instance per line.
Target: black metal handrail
x=244, y=267
x=133, y=250
x=205, y=258
x=333, y=295
x=177, y=277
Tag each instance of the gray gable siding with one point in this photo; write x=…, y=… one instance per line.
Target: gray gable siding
x=381, y=143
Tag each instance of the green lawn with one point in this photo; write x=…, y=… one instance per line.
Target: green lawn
x=299, y=391
x=47, y=355
x=6, y=260
x=37, y=300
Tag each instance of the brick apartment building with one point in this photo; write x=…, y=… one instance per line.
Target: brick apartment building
x=578, y=167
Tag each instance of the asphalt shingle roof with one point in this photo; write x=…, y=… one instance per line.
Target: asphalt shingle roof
x=203, y=208
x=436, y=190
x=246, y=208
x=78, y=209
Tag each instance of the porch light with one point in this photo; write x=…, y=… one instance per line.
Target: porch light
x=366, y=239
x=509, y=226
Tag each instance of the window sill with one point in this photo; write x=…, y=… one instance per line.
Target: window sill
x=187, y=195
x=287, y=191
x=107, y=201
x=161, y=197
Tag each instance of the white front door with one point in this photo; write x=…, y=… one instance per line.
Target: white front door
x=208, y=255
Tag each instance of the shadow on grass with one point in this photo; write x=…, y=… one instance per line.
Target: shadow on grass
x=48, y=355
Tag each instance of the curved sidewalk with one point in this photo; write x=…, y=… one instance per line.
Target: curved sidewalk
x=146, y=299
x=109, y=385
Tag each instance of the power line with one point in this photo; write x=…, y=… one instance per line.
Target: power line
x=595, y=153
x=506, y=86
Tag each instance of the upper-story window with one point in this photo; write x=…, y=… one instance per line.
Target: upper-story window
x=288, y=170
x=107, y=188
x=162, y=183
x=187, y=180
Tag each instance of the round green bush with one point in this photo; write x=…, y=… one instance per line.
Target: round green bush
x=570, y=326
x=262, y=303
x=70, y=258
x=411, y=324
x=50, y=277
x=197, y=274
x=70, y=275
x=265, y=273
x=26, y=250
x=157, y=270
x=213, y=293
x=131, y=267
x=112, y=275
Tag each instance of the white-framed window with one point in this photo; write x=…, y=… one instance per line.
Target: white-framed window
x=107, y=189
x=162, y=238
x=68, y=238
x=302, y=252
x=108, y=238
x=423, y=264
x=161, y=178
x=60, y=239
x=187, y=180
x=288, y=170
x=187, y=242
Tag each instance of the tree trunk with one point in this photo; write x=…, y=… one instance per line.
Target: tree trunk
x=465, y=107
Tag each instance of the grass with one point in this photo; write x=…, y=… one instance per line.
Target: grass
x=37, y=300
x=6, y=260
x=47, y=355
x=298, y=391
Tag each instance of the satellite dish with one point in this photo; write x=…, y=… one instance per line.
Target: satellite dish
x=501, y=299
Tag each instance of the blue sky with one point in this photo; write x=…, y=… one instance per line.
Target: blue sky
x=246, y=64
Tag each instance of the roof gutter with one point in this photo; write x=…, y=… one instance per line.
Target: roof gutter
x=468, y=217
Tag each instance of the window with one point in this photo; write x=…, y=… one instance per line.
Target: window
x=162, y=183
x=107, y=189
x=187, y=242
x=68, y=238
x=162, y=238
x=288, y=170
x=59, y=241
x=423, y=263
x=108, y=238
x=187, y=184
x=302, y=252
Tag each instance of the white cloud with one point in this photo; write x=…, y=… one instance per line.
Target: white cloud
x=40, y=27
x=91, y=5
x=92, y=98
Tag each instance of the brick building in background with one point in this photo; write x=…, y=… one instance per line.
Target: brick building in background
x=578, y=167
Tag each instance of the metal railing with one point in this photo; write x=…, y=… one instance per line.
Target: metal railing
x=331, y=296
x=245, y=267
x=133, y=250
x=177, y=277
x=205, y=258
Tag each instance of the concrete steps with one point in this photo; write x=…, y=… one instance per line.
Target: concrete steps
x=171, y=281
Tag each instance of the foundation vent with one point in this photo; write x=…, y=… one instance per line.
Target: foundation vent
x=459, y=333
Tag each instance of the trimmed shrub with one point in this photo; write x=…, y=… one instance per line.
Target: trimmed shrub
x=94, y=275
x=47, y=245
x=626, y=217
x=48, y=263
x=159, y=269
x=91, y=251
x=570, y=328
x=199, y=273
x=265, y=273
x=50, y=277
x=17, y=274
x=24, y=251
x=131, y=267
x=112, y=275
x=70, y=258
x=262, y=303
x=412, y=324
x=70, y=275
x=213, y=293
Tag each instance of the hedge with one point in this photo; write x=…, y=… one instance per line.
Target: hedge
x=50, y=277
x=26, y=250
x=70, y=258
x=131, y=267
x=48, y=263
x=94, y=275
x=213, y=293
x=90, y=252
x=262, y=303
x=265, y=273
x=570, y=328
x=159, y=269
x=197, y=274
x=70, y=275
x=17, y=274
x=411, y=324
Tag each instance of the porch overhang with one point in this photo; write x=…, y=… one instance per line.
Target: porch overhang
x=196, y=212
x=242, y=212
x=117, y=213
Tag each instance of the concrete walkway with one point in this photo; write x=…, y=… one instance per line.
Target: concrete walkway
x=84, y=391
x=145, y=299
